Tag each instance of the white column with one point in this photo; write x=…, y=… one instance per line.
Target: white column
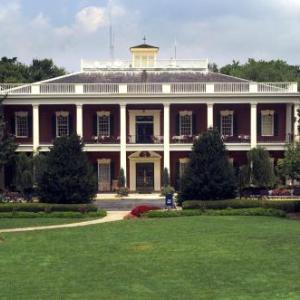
x=79, y=120
x=288, y=121
x=253, y=126
x=123, y=156
x=296, y=122
x=35, y=127
x=167, y=136
x=210, y=115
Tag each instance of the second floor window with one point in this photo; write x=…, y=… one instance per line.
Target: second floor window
x=267, y=123
x=62, y=124
x=185, y=123
x=103, y=123
x=21, y=124
x=227, y=123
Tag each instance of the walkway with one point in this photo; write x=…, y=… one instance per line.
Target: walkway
x=127, y=204
x=111, y=217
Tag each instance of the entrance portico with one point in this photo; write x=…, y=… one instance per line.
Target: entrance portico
x=145, y=171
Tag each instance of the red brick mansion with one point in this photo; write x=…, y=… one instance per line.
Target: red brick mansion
x=142, y=115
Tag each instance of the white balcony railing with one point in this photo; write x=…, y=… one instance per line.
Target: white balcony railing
x=92, y=65
x=186, y=88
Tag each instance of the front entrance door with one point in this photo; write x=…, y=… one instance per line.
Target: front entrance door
x=145, y=177
x=104, y=177
x=144, y=129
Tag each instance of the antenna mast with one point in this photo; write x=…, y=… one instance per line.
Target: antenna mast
x=111, y=38
x=175, y=49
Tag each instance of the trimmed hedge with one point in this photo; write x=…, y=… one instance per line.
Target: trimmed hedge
x=43, y=207
x=286, y=205
x=66, y=214
x=221, y=204
x=258, y=211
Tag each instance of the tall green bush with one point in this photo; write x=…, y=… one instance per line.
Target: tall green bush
x=259, y=171
x=66, y=175
x=209, y=175
x=24, y=175
x=289, y=166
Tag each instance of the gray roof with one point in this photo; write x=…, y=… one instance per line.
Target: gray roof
x=145, y=76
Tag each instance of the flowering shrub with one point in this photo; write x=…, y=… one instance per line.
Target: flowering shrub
x=281, y=192
x=141, y=209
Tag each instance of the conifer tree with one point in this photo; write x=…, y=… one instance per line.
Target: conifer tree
x=7, y=141
x=209, y=175
x=66, y=175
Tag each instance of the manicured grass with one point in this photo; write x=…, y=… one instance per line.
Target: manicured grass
x=177, y=258
x=27, y=222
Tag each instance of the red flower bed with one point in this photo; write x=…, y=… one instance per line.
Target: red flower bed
x=281, y=192
x=139, y=210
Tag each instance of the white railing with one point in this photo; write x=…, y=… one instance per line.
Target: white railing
x=274, y=87
x=150, y=88
x=144, y=88
x=92, y=65
x=231, y=87
x=57, y=88
x=15, y=88
x=188, y=88
x=101, y=88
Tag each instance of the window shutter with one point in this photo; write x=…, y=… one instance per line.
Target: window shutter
x=194, y=125
x=30, y=126
x=177, y=178
x=235, y=126
x=112, y=170
x=54, y=126
x=177, y=124
x=219, y=122
x=112, y=127
x=276, y=124
x=258, y=124
x=70, y=120
x=95, y=125
x=13, y=125
x=95, y=168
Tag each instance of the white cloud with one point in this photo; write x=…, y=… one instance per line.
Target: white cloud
x=9, y=10
x=91, y=18
x=40, y=21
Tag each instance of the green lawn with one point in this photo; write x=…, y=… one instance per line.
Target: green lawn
x=181, y=258
x=28, y=222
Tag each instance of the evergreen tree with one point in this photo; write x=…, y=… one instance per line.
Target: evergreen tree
x=66, y=175
x=259, y=170
x=7, y=143
x=209, y=175
x=24, y=175
x=166, y=178
x=121, y=179
x=122, y=190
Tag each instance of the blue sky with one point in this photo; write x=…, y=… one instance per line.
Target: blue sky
x=220, y=30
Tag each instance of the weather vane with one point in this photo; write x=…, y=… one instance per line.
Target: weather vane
x=144, y=39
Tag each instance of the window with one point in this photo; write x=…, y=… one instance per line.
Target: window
x=21, y=124
x=183, y=163
x=227, y=123
x=267, y=122
x=185, y=123
x=103, y=123
x=62, y=124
